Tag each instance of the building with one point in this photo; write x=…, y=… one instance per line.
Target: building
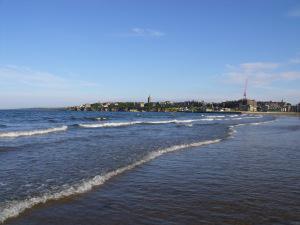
x=140, y=104
x=247, y=105
x=271, y=106
x=149, y=99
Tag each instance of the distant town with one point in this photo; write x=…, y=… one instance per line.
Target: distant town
x=242, y=105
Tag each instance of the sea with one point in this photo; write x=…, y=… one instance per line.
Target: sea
x=66, y=167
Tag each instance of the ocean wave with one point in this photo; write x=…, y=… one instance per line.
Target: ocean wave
x=252, y=117
x=114, y=124
x=89, y=118
x=2, y=126
x=243, y=117
x=209, y=119
x=96, y=118
x=119, y=124
x=259, y=123
x=171, y=121
x=254, y=123
x=14, y=134
x=215, y=116
x=101, y=118
x=233, y=131
x=14, y=208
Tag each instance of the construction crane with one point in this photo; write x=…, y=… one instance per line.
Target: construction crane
x=245, y=90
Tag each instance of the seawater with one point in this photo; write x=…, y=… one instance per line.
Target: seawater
x=55, y=154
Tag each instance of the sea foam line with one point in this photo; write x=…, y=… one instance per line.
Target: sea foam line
x=232, y=130
x=14, y=208
x=13, y=134
x=119, y=124
x=254, y=123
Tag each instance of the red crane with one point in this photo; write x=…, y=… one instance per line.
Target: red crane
x=245, y=90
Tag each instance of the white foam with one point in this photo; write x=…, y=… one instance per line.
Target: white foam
x=237, y=118
x=171, y=121
x=119, y=124
x=101, y=118
x=246, y=117
x=208, y=119
x=215, y=116
x=252, y=117
x=259, y=123
x=14, y=134
x=14, y=208
x=232, y=130
x=114, y=124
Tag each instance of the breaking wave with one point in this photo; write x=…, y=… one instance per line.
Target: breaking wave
x=114, y=124
x=254, y=123
x=96, y=118
x=215, y=116
x=119, y=124
x=233, y=131
x=14, y=208
x=14, y=134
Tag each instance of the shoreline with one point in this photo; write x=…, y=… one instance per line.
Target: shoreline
x=297, y=114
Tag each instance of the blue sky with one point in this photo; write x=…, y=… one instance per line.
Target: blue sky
x=66, y=52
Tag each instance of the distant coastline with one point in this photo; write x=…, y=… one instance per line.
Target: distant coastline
x=235, y=106
x=274, y=113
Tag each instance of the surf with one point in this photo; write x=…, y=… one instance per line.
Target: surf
x=14, y=208
x=15, y=134
x=232, y=129
x=119, y=124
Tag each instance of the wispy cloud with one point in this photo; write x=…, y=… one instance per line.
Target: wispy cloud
x=142, y=32
x=294, y=61
x=22, y=87
x=257, y=66
x=261, y=73
x=294, y=12
x=146, y=32
x=25, y=77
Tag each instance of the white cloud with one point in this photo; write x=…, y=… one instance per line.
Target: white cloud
x=22, y=87
x=257, y=66
x=294, y=12
x=290, y=75
x=21, y=77
x=142, y=32
x=294, y=61
x=260, y=73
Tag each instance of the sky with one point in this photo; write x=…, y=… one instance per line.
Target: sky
x=68, y=52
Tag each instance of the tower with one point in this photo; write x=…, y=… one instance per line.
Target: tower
x=245, y=90
x=149, y=99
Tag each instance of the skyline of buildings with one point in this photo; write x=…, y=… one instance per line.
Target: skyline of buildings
x=242, y=104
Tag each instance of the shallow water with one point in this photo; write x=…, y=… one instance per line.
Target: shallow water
x=131, y=168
